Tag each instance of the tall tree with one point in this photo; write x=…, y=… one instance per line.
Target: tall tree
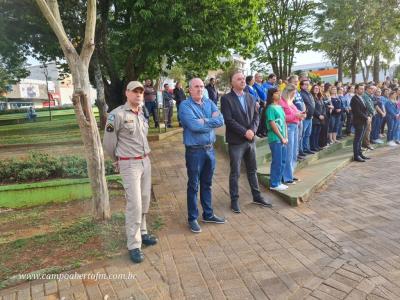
x=285, y=30
x=358, y=34
x=79, y=66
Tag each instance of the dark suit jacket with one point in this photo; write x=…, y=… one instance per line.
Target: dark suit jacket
x=359, y=111
x=237, y=121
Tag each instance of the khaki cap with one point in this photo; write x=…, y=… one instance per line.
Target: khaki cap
x=134, y=85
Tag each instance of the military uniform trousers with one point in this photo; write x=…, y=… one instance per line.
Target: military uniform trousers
x=136, y=177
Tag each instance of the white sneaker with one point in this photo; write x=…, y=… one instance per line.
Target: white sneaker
x=392, y=144
x=379, y=141
x=280, y=187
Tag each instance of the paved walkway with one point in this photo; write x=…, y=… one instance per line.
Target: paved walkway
x=343, y=244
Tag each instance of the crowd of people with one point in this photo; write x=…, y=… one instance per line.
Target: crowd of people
x=299, y=118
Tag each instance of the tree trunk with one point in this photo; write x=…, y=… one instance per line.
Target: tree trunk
x=91, y=140
x=353, y=68
x=101, y=98
x=79, y=66
x=340, y=66
x=375, y=72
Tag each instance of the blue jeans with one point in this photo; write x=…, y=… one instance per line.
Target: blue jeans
x=200, y=165
x=339, y=132
x=300, y=143
x=291, y=152
x=314, y=138
x=391, y=124
x=278, y=151
x=151, y=107
x=376, y=126
x=307, y=125
x=334, y=123
x=396, y=134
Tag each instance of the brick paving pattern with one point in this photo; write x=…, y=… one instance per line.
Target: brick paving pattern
x=343, y=244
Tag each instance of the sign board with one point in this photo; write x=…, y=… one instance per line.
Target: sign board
x=29, y=90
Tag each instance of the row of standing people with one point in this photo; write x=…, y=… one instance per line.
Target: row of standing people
x=169, y=96
x=125, y=141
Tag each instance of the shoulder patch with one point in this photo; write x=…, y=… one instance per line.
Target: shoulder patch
x=111, y=117
x=109, y=127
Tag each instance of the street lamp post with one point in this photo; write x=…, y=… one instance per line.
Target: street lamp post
x=46, y=75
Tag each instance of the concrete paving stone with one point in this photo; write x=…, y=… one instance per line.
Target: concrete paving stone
x=350, y=275
x=24, y=293
x=322, y=296
x=338, y=285
x=331, y=291
x=356, y=295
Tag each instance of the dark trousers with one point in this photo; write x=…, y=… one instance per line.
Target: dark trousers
x=314, y=138
x=376, y=126
x=247, y=152
x=151, y=107
x=200, y=165
x=358, y=137
x=348, y=122
x=168, y=112
x=323, y=136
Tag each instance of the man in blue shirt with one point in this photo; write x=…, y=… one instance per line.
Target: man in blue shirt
x=199, y=116
x=270, y=83
x=258, y=86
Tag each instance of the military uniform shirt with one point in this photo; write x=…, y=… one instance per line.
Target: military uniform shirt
x=125, y=134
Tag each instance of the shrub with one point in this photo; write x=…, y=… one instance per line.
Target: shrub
x=41, y=166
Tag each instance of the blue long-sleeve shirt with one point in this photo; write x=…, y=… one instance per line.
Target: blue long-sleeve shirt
x=391, y=109
x=260, y=91
x=198, y=123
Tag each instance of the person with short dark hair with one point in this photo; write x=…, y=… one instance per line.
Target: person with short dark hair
x=168, y=103
x=360, y=119
x=241, y=120
x=270, y=83
x=212, y=91
x=150, y=101
x=307, y=122
x=249, y=87
x=179, y=95
x=368, y=100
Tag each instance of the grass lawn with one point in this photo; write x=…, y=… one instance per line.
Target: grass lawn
x=54, y=113
x=55, y=131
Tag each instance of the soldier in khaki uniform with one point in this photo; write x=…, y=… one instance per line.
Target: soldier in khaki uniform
x=125, y=140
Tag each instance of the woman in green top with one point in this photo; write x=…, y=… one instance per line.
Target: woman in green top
x=277, y=138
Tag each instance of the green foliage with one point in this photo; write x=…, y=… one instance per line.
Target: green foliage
x=139, y=39
x=314, y=78
x=286, y=28
x=358, y=34
x=40, y=166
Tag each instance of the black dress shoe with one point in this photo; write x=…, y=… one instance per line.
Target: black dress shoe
x=149, y=240
x=359, y=159
x=235, y=207
x=302, y=154
x=364, y=157
x=262, y=202
x=136, y=255
x=309, y=152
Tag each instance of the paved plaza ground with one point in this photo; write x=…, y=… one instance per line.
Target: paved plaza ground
x=343, y=244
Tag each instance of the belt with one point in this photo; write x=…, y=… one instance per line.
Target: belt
x=134, y=158
x=207, y=147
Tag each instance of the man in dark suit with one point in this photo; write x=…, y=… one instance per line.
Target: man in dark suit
x=360, y=119
x=241, y=119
